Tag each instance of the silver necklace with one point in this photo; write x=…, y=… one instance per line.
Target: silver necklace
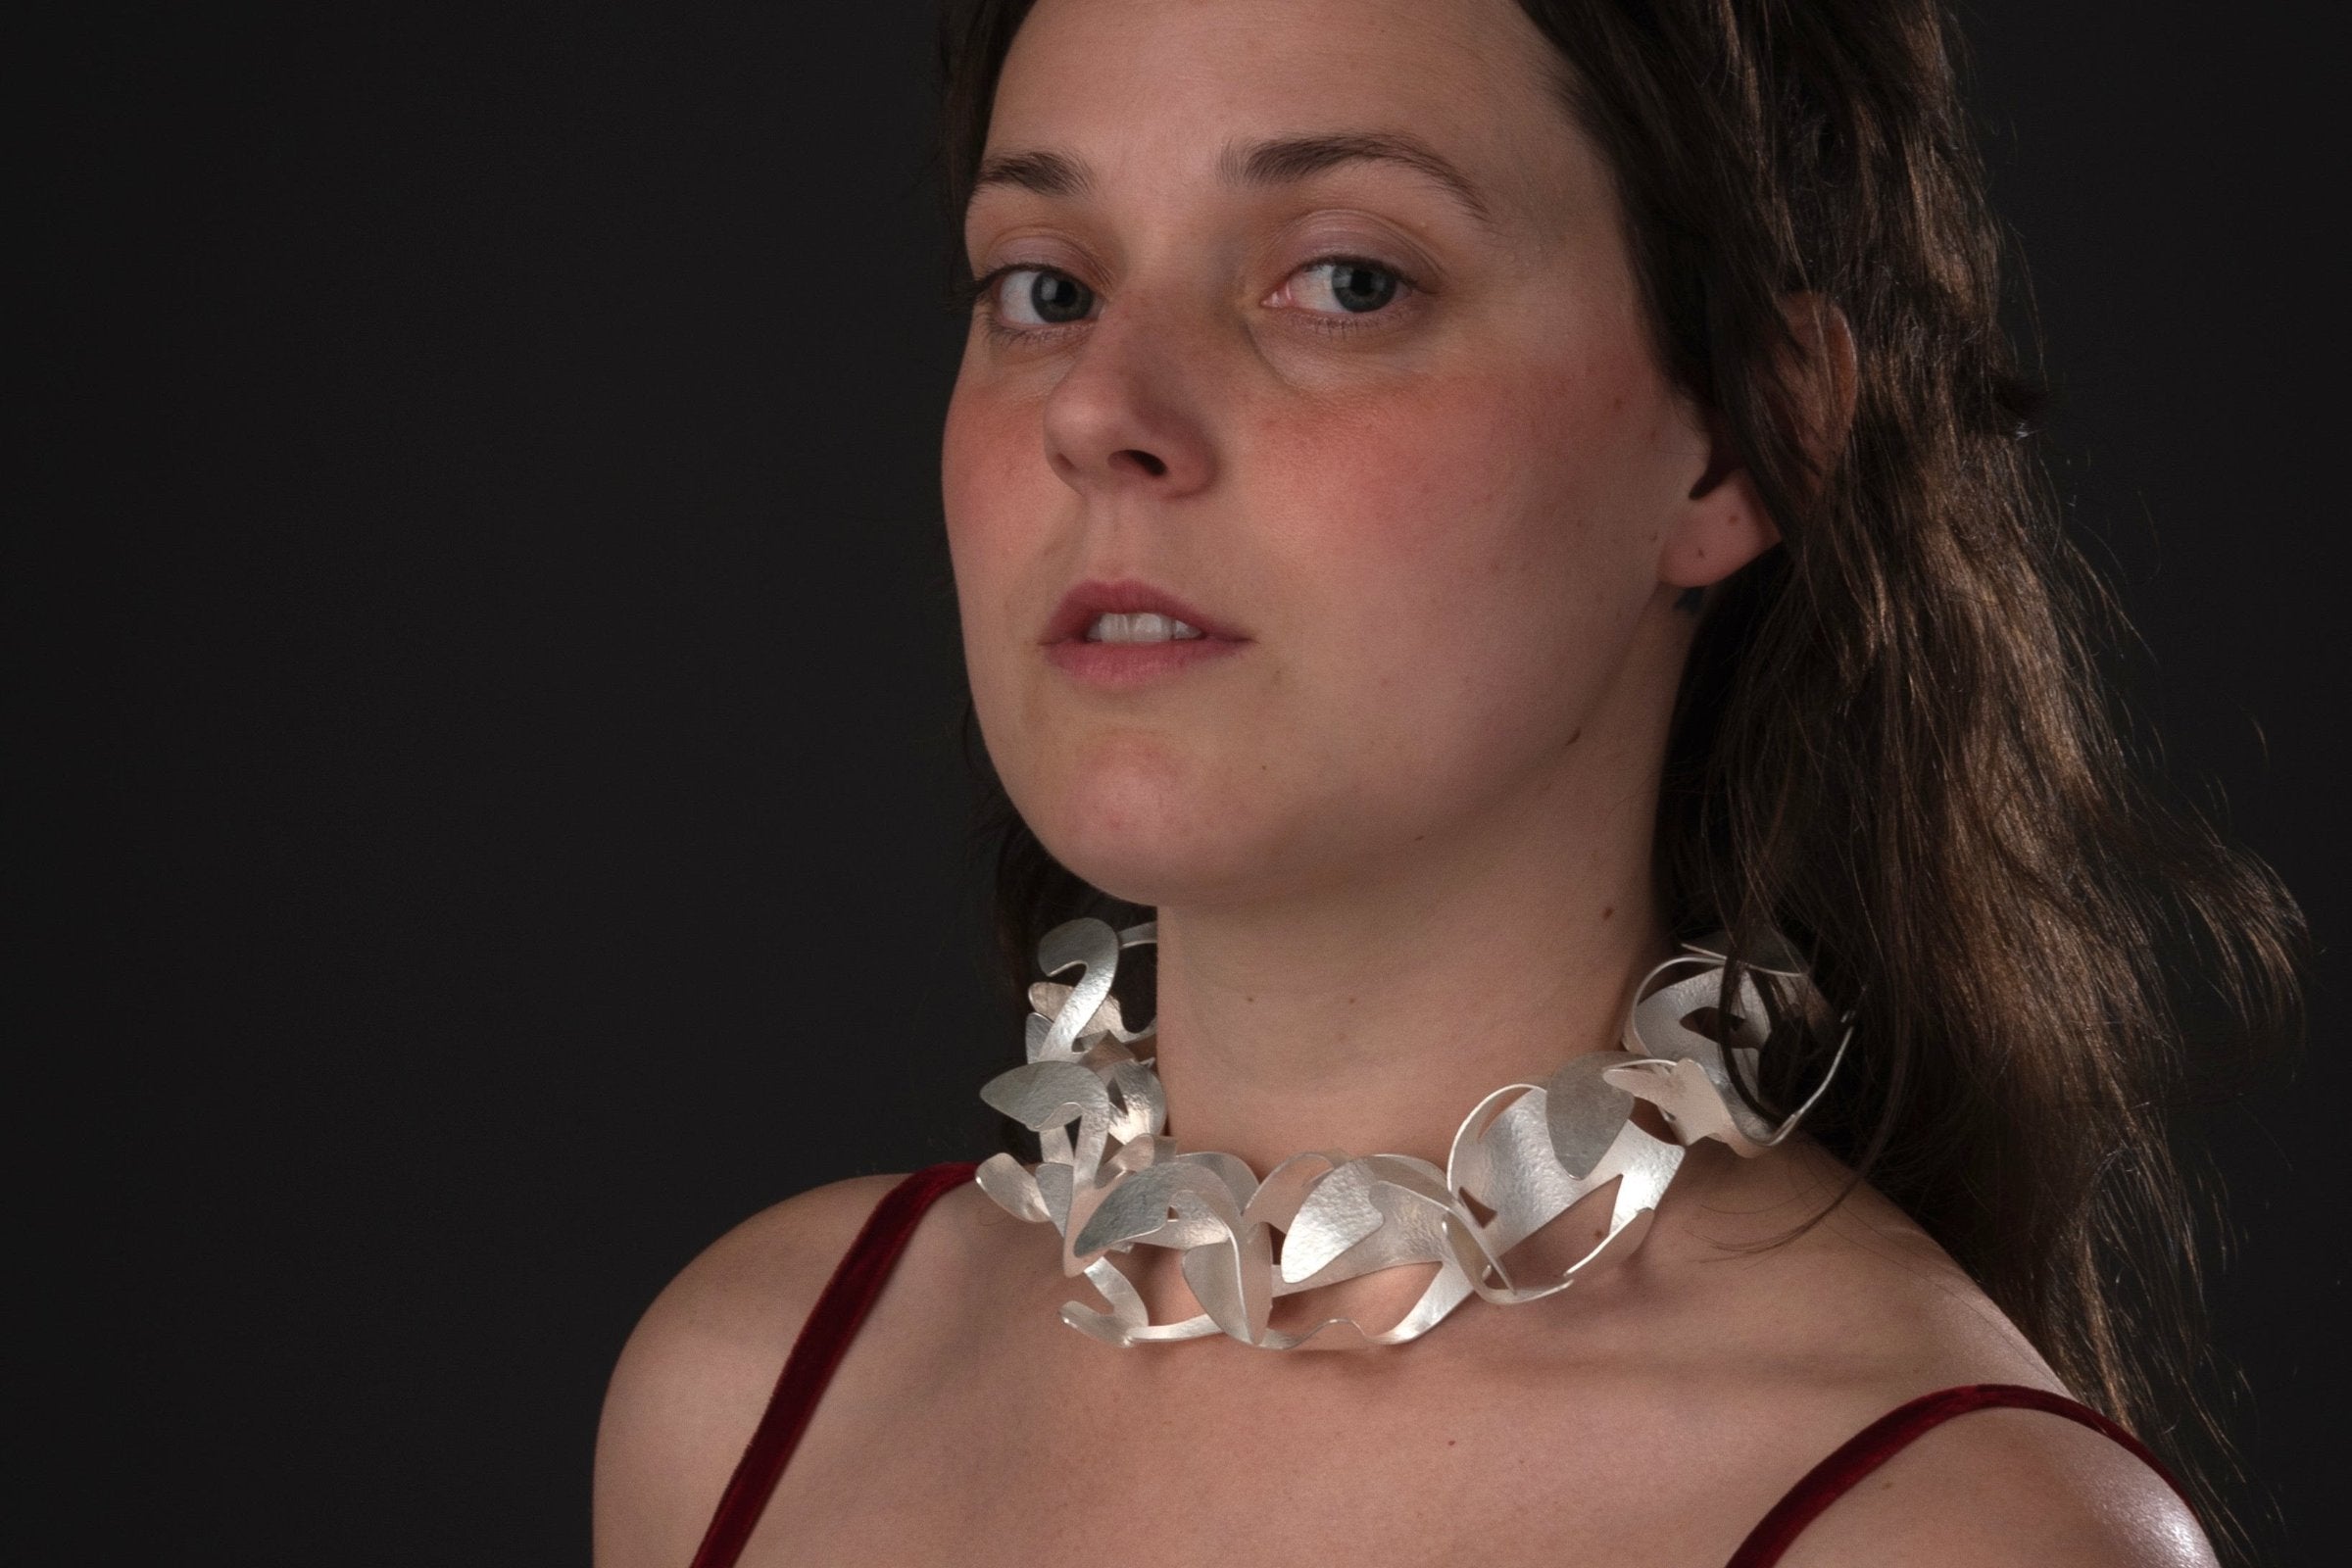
x=1109, y=1180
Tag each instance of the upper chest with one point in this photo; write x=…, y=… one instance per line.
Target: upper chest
x=969, y=1425
x=1212, y=1452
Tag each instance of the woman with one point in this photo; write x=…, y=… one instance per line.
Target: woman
x=1450, y=501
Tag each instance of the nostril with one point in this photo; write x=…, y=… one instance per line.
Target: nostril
x=1142, y=460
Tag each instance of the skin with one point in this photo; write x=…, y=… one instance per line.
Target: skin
x=1399, y=847
x=1399, y=844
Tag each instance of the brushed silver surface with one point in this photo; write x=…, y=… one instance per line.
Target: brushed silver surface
x=1110, y=1180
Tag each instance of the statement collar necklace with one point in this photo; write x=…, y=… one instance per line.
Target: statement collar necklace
x=1523, y=1156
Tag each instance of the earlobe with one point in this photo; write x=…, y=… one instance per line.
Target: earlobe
x=1724, y=524
x=1724, y=529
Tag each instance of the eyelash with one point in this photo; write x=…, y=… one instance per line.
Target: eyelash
x=980, y=293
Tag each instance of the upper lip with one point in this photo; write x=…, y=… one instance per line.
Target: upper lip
x=1125, y=596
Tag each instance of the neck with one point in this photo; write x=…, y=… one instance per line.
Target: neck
x=1370, y=1016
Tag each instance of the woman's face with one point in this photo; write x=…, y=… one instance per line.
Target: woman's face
x=1430, y=494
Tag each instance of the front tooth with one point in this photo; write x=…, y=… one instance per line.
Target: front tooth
x=1146, y=626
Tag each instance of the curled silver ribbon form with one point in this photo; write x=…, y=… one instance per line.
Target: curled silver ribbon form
x=1109, y=1179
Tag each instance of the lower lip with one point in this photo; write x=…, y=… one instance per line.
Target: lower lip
x=1116, y=667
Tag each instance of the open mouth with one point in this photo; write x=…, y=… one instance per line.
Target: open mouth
x=1130, y=612
x=1119, y=635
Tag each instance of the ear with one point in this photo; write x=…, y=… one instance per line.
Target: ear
x=1725, y=525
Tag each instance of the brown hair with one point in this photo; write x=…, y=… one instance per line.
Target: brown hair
x=1892, y=741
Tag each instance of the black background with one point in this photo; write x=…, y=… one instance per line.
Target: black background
x=491, y=814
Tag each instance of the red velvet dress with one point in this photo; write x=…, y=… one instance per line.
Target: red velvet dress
x=858, y=1280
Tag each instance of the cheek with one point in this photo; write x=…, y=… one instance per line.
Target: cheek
x=1478, y=535
x=989, y=471
x=980, y=463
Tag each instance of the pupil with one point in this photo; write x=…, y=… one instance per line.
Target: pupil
x=1361, y=288
x=1049, y=294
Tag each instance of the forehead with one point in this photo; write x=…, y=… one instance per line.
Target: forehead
x=1150, y=92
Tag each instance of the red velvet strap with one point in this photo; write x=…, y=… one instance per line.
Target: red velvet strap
x=1882, y=1438
x=832, y=1323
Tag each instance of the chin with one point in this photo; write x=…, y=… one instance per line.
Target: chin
x=1146, y=866
x=1149, y=849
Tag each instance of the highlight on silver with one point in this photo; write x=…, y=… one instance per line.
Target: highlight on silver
x=1109, y=1180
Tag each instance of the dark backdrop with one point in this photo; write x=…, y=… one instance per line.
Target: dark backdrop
x=491, y=810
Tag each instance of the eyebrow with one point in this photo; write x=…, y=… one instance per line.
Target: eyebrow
x=1260, y=164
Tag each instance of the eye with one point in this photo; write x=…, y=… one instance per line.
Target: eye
x=1021, y=302
x=1049, y=298
x=1356, y=286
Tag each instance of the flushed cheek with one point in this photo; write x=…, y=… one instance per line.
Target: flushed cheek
x=990, y=455
x=1469, y=491
x=1465, y=563
x=996, y=491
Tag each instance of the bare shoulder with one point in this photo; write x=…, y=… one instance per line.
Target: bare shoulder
x=695, y=1376
x=1862, y=1312
x=1868, y=1311
x=2007, y=1486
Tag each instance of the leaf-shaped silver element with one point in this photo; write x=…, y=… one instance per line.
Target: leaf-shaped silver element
x=1639, y=1165
x=1704, y=1103
x=1239, y=1179
x=1046, y=1097
x=1693, y=1099
x=1582, y=1111
x=1013, y=1186
x=1142, y=1104
x=1502, y=1158
x=1232, y=1280
x=1368, y=1214
x=1047, y=1094
x=1288, y=1185
x=1055, y=1186
x=1141, y=1206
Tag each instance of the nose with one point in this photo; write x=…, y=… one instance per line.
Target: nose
x=1126, y=415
